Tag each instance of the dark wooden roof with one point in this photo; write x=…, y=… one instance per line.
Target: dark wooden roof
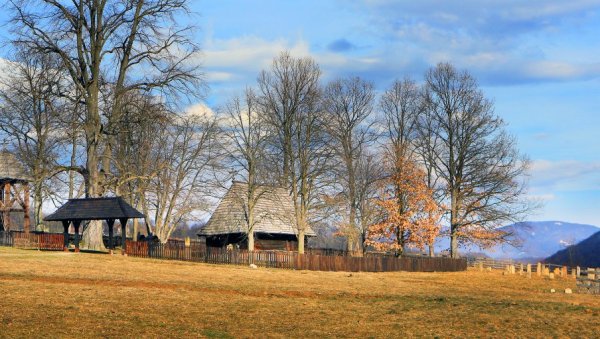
x=11, y=169
x=94, y=209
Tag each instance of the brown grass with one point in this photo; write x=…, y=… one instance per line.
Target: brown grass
x=55, y=294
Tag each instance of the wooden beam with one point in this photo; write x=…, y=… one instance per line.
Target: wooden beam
x=111, y=243
x=26, y=220
x=76, y=224
x=123, y=222
x=65, y=224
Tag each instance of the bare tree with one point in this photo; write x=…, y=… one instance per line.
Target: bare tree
x=288, y=98
x=131, y=45
x=401, y=106
x=185, y=155
x=348, y=105
x=135, y=162
x=476, y=160
x=248, y=135
x=30, y=117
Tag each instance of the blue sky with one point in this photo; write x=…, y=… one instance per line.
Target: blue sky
x=538, y=60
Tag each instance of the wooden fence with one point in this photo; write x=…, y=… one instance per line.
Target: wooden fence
x=198, y=252
x=40, y=241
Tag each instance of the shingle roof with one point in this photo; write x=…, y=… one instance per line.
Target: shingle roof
x=94, y=209
x=11, y=168
x=274, y=212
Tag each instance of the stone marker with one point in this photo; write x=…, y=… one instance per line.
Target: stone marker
x=546, y=271
x=551, y=275
x=557, y=272
x=528, y=270
x=565, y=272
x=539, y=269
x=521, y=269
x=568, y=291
x=552, y=290
x=578, y=271
x=489, y=269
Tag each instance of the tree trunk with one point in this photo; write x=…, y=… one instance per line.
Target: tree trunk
x=251, y=241
x=301, y=241
x=92, y=236
x=37, y=201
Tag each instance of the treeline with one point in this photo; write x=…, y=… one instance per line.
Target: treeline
x=98, y=111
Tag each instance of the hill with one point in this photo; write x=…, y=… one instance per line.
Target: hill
x=539, y=239
x=584, y=254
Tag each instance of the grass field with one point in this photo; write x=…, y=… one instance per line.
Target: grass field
x=55, y=294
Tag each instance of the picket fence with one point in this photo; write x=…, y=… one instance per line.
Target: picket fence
x=198, y=252
x=40, y=241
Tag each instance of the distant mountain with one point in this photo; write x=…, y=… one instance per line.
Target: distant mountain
x=540, y=239
x=585, y=254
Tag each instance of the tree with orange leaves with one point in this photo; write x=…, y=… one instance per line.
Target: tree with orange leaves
x=409, y=214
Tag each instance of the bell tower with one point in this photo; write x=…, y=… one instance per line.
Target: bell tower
x=14, y=192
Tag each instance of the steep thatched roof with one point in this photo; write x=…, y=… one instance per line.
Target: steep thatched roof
x=11, y=168
x=274, y=212
x=94, y=209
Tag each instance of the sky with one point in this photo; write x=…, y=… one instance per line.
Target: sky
x=539, y=61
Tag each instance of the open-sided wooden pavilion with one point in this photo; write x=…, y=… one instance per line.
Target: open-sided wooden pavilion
x=75, y=211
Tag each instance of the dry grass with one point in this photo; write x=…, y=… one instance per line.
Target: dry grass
x=50, y=294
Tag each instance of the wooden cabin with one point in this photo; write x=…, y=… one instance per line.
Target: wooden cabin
x=275, y=221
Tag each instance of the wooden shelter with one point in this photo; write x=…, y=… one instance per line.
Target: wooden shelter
x=275, y=221
x=74, y=211
x=14, y=191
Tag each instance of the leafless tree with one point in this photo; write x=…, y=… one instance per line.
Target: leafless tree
x=187, y=153
x=248, y=134
x=288, y=96
x=30, y=118
x=130, y=45
x=476, y=160
x=348, y=106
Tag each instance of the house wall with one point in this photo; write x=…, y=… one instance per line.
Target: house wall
x=263, y=241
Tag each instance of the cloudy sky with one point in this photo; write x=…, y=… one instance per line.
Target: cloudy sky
x=538, y=60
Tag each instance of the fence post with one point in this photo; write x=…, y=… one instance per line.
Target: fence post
x=528, y=270
x=539, y=269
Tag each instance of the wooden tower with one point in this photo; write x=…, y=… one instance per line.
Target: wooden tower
x=14, y=191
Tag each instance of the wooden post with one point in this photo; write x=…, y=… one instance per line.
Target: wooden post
x=26, y=221
x=65, y=224
x=111, y=242
x=76, y=224
x=123, y=235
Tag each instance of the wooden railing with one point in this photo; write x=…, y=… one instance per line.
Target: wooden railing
x=198, y=252
x=40, y=241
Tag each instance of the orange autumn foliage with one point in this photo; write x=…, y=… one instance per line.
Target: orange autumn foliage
x=409, y=214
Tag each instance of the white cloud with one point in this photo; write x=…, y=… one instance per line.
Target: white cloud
x=565, y=175
x=200, y=110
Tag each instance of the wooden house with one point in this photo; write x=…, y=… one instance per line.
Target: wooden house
x=275, y=221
